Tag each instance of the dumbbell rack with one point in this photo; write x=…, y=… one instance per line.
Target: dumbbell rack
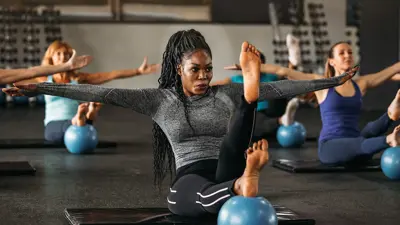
x=9, y=47
x=319, y=33
x=20, y=43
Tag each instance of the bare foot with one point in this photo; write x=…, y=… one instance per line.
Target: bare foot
x=394, y=108
x=293, y=45
x=393, y=139
x=257, y=157
x=250, y=63
x=94, y=108
x=80, y=117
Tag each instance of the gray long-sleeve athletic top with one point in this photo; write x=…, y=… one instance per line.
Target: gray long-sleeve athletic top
x=209, y=114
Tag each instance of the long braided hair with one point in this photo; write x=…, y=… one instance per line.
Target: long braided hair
x=179, y=45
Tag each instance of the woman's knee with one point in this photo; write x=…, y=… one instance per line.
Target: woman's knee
x=53, y=136
x=183, y=198
x=55, y=130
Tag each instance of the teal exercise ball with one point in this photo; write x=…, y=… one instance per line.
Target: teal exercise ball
x=241, y=210
x=390, y=163
x=291, y=136
x=81, y=139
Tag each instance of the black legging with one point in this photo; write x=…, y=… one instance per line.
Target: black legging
x=204, y=186
x=266, y=126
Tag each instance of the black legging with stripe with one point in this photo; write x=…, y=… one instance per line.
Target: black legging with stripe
x=203, y=187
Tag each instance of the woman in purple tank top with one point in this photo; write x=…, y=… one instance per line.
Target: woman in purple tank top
x=340, y=140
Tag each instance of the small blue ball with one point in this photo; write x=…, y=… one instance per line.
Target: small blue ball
x=81, y=139
x=21, y=100
x=390, y=163
x=241, y=210
x=291, y=136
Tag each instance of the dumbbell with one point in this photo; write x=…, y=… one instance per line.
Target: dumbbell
x=8, y=49
x=31, y=30
x=9, y=61
x=32, y=50
x=53, y=22
x=305, y=52
x=8, y=30
x=320, y=52
x=319, y=33
x=280, y=53
x=322, y=42
x=317, y=24
x=281, y=61
x=305, y=42
x=279, y=43
x=9, y=39
x=31, y=60
x=31, y=40
x=306, y=61
x=317, y=15
x=52, y=39
x=55, y=30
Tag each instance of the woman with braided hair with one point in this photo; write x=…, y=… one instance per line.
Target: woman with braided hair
x=202, y=131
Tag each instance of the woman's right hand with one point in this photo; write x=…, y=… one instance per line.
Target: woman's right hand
x=233, y=67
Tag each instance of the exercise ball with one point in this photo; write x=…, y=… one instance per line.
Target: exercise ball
x=390, y=163
x=21, y=100
x=81, y=139
x=241, y=210
x=40, y=99
x=291, y=136
x=2, y=98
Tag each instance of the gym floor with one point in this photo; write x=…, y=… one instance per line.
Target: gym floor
x=122, y=176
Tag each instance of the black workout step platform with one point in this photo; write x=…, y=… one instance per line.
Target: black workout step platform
x=41, y=143
x=121, y=216
x=315, y=166
x=17, y=168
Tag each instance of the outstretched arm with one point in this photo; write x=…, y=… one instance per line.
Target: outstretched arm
x=376, y=79
x=145, y=101
x=281, y=72
x=103, y=77
x=14, y=75
x=290, y=88
x=222, y=82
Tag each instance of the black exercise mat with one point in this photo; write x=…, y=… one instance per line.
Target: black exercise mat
x=315, y=166
x=119, y=216
x=40, y=143
x=17, y=168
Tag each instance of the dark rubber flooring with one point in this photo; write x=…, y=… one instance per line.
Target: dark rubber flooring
x=122, y=177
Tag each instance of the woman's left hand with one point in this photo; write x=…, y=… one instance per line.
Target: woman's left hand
x=77, y=62
x=18, y=90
